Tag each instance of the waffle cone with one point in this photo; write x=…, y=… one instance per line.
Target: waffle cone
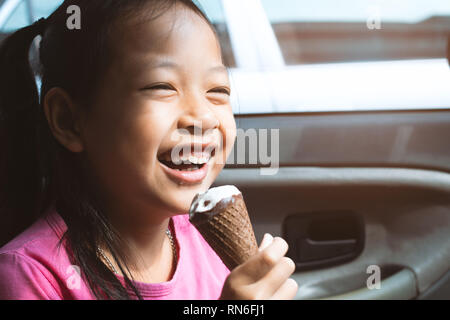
x=230, y=233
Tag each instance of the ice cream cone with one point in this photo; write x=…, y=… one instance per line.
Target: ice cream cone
x=225, y=224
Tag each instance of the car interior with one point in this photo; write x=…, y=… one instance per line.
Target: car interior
x=355, y=190
x=357, y=194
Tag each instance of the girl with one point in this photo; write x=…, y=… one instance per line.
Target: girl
x=90, y=159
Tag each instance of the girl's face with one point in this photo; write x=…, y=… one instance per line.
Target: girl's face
x=165, y=90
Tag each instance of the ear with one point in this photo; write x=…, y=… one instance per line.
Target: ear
x=63, y=118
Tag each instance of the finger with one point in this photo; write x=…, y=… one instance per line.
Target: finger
x=287, y=291
x=277, y=276
x=260, y=264
x=266, y=241
x=273, y=253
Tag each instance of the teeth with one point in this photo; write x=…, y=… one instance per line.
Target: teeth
x=188, y=160
x=195, y=160
x=198, y=158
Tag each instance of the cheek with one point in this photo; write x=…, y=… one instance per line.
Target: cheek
x=125, y=141
x=228, y=132
x=141, y=139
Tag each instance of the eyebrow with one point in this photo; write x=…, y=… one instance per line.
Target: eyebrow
x=173, y=65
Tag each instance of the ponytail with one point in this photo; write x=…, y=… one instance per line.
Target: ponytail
x=20, y=177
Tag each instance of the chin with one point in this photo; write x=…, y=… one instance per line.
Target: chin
x=180, y=199
x=182, y=204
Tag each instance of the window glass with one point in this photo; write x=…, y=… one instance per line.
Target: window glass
x=19, y=18
x=359, y=30
x=214, y=11
x=28, y=11
x=357, y=55
x=43, y=8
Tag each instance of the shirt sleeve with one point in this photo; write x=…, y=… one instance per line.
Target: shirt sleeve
x=21, y=278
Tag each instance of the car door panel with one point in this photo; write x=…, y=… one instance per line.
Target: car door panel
x=418, y=139
x=407, y=221
x=334, y=163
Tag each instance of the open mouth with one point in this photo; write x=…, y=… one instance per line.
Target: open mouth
x=188, y=168
x=183, y=167
x=191, y=162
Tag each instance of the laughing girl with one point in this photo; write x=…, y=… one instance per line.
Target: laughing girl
x=85, y=162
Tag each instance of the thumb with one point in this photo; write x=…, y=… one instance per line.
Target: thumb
x=266, y=241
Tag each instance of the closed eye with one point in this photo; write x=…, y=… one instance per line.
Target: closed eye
x=160, y=86
x=223, y=90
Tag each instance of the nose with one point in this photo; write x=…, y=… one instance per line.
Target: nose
x=197, y=118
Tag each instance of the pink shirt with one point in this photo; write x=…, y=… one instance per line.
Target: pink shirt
x=32, y=267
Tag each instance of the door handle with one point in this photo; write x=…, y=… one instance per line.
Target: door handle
x=322, y=239
x=310, y=250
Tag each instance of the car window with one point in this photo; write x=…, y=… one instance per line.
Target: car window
x=27, y=11
x=359, y=30
x=351, y=55
x=43, y=8
x=215, y=12
x=19, y=18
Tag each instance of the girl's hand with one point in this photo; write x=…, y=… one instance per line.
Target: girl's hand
x=264, y=276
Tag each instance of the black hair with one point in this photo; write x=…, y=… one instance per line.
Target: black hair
x=36, y=172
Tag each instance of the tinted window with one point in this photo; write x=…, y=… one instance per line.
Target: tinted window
x=214, y=11
x=359, y=30
x=19, y=18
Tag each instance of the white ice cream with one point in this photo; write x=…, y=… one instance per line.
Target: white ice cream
x=208, y=200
